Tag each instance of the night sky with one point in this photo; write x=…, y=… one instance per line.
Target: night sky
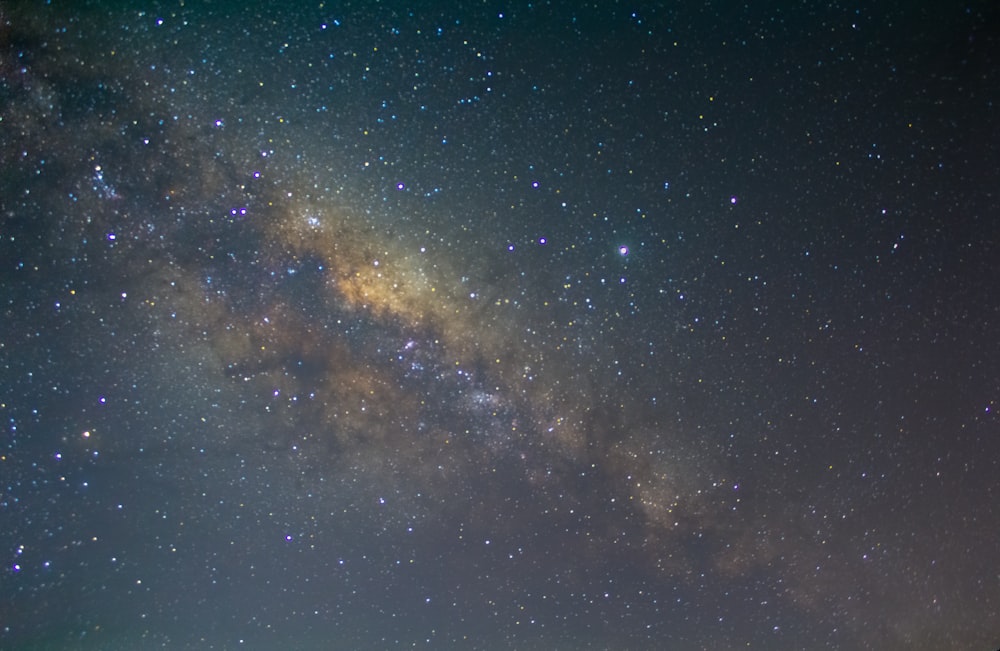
x=500, y=326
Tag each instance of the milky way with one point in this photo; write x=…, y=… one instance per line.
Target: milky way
x=386, y=326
